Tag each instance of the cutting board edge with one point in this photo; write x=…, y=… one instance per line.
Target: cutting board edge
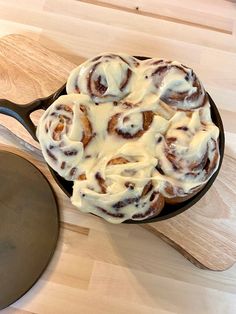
x=190, y=257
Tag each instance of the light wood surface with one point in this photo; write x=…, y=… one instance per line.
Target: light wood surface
x=125, y=268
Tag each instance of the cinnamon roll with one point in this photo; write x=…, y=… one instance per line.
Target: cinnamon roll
x=130, y=124
x=120, y=187
x=104, y=78
x=187, y=155
x=175, y=85
x=63, y=132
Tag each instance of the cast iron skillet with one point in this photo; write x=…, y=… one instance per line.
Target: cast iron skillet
x=22, y=114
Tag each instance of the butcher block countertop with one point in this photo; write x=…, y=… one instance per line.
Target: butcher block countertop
x=100, y=268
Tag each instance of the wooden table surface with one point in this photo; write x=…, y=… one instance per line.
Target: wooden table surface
x=201, y=34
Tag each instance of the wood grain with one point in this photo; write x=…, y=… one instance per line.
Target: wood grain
x=171, y=12
x=97, y=264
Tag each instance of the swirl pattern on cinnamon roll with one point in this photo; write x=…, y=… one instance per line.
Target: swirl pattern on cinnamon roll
x=171, y=84
x=132, y=135
x=187, y=153
x=130, y=125
x=119, y=187
x=104, y=78
x=177, y=85
x=64, y=131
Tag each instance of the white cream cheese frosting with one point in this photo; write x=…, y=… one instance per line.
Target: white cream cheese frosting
x=130, y=134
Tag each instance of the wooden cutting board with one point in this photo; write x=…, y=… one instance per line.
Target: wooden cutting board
x=204, y=234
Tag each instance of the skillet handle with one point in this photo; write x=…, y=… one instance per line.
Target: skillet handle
x=22, y=112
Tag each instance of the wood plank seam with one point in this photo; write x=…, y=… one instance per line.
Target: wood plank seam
x=74, y=228
x=137, y=10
